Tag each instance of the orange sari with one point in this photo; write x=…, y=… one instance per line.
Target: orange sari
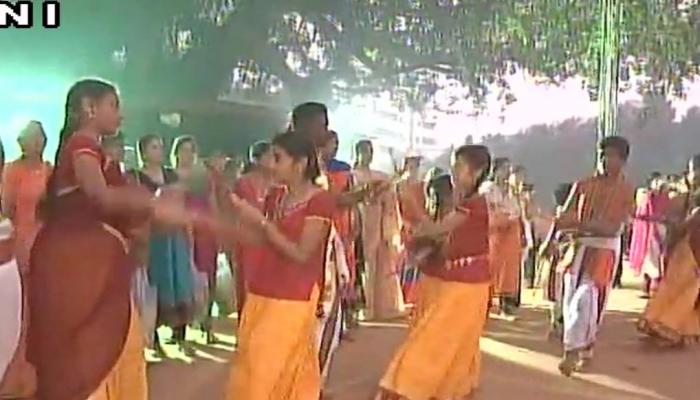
x=673, y=314
x=24, y=186
x=278, y=353
x=505, y=238
x=441, y=359
x=412, y=203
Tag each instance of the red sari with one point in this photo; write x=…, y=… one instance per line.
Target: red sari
x=278, y=351
x=79, y=299
x=340, y=182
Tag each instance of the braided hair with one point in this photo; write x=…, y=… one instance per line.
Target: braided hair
x=478, y=157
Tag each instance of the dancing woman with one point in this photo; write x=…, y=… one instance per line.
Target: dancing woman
x=84, y=339
x=278, y=353
x=252, y=187
x=672, y=317
x=440, y=359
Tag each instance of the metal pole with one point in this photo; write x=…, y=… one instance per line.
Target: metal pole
x=609, y=67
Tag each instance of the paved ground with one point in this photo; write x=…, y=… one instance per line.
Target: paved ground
x=519, y=363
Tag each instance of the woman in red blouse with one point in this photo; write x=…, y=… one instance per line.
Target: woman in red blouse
x=84, y=339
x=440, y=359
x=252, y=187
x=277, y=351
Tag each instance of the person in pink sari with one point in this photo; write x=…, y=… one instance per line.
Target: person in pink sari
x=649, y=235
x=380, y=241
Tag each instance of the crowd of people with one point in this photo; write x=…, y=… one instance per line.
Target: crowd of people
x=315, y=246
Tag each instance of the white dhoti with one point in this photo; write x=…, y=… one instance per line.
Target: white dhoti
x=330, y=326
x=583, y=302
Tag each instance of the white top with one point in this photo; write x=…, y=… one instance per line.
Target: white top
x=10, y=304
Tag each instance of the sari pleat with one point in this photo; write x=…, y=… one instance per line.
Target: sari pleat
x=674, y=312
x=440, y=359
x=277, y=356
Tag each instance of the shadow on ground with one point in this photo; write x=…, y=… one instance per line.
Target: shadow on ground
x=519, y=363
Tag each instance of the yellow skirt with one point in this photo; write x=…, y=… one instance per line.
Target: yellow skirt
x=127, y=381
x=440, y=358
x=674, y=313
x=427, y=291
x=277, y=357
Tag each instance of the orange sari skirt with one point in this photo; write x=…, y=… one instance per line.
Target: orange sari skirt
x=673, y=315
x=506, y=256
x=127, y=380
x=277, y=356
x=440, y=359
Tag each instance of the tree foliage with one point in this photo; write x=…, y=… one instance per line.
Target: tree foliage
x=320, y=49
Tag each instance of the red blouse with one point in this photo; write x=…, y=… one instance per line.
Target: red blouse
x=341, y=182
x=70, y=202
x=277, y=276
x=465, y=253
x=248, y=256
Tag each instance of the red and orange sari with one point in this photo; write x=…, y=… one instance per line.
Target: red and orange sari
x=441, y=359
x=278, y=354
x=84, y=340
x=412, y=210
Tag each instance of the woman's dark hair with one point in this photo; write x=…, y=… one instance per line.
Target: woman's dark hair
x=305, y=111
x=362, y=143
x=92, y=89
x=439, y=190
x=258, y=150
x=358, y=147
x=618, y=143
x=143, y=143
x=562, y=193
x=113, y=140
x=433, y=173
x=2, y=159
x=695, y=160
x=477, y=156
x=255, y=153
x=298, y=146
x=497, y=164
x=177, y=145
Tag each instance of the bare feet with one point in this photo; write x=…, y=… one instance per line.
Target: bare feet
x=567, y=366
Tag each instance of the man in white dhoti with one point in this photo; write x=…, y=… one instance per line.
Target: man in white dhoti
x=595, y=215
